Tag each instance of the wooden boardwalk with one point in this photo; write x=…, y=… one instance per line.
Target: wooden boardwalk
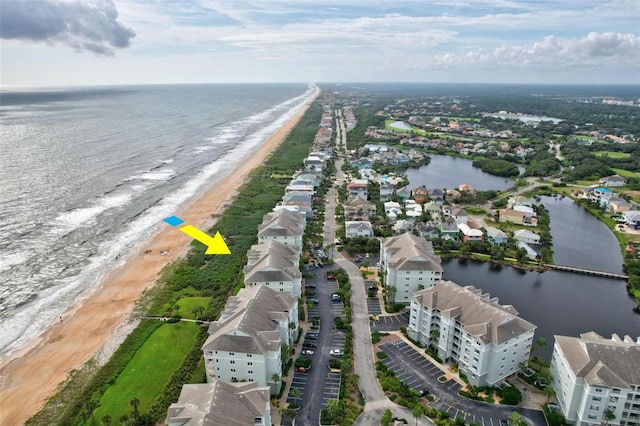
x=588, y=271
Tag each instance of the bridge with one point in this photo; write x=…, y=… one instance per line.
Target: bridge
x=588, y=271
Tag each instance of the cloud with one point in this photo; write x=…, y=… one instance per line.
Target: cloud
x=82, y=25
x=592, y=50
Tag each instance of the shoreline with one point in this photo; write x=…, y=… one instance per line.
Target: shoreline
x=95, y=324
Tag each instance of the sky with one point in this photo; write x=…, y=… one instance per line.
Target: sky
x=111, y=42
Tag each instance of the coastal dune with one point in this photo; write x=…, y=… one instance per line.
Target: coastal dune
x=31, y=375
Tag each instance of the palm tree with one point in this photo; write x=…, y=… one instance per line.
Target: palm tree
x=608, y=415
x=418, y=411
x=296, y=393
x=549, y=391
x=275, y=378
x=194, y=311
x=541, y=342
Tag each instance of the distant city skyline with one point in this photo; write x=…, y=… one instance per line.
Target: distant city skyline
x=68, y=42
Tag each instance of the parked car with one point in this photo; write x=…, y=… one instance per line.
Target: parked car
x=423, y=392
x=306, y=352
x=311, y=336
x=331, y=277
x=311, y=345
x=335, y=297
x=314, y=301
x=336, y=352
x=302, y=369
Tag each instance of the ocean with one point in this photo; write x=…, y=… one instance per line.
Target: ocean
x=88, y=174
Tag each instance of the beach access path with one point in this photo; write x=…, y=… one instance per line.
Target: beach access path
x=31, y=375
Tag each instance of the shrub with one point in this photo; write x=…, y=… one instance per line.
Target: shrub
x=381, y=355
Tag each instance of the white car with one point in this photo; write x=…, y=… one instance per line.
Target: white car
x=306, y=352
x=336, y=352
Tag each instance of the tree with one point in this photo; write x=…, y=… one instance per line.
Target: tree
x=541, y=342
x=275, y=378
x=549, y=391
x=516, y=420
x=296, y=393
x=135, y=403
x=106, y=420
x=418, y=411
x=386, y=418
x=91, y=406
x=609, y=415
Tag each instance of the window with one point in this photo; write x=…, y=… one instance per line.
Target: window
x=249, y=363
x=233, y=370
x=231, y=353
x=250, y=372
x=232, y=362
x=249, y=355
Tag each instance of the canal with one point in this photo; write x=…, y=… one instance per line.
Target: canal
x=556, y=302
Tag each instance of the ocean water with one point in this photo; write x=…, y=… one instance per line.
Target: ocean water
x=87, y=175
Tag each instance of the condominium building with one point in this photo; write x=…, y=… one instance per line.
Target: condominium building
x=284, y=226
x=408, y=263
x=597, y=380
x=487, y=340
x=246, y=342
x=220, y=403
x=274, y=265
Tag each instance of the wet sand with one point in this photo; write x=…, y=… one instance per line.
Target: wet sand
x=31, y=375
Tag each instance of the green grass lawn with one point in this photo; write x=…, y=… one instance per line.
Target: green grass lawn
x=626, y=173
x=147, y=374
x=188, y=304
x=612, y=154
x=475, y=210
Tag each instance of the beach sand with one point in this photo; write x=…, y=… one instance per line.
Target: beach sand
x=30, y=376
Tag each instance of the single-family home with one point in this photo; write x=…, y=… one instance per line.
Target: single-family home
x=245, y=343
x=220, y=403
x=632, y=218
x=467, y=188
x=601, y=193
x=274, y=265
x=617, y=205
x=409, y=263
x=487, y=340
x=427, y=229
x=593, y=376
x=314, y=164
x=358, y=188
x=469, y=234
x=455, y=212
x=515, y=216
x=358, y=207
x=403, y=193
x=519, y=200
x=449, y=228
x=611, y=181
x=496, y=236
x=420, y=194
x=531, y=253
x=386, y=192
x=432, y=208
x=526, y=236
x=403, y=225
x=358, y=229
x=436, y=195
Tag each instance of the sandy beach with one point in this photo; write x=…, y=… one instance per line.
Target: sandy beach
x=30, y=376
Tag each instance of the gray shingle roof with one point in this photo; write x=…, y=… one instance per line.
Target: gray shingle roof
x=282, y=223
x=480, y=315
x=219, y=403
x=410, y=252
x=607, y=362
x=272, y=261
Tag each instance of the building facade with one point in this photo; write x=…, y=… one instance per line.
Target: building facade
x=274, y=265
x=245, y=343
x=487, y=340
x=284, y=226
x=408, y=263
x=597, y=380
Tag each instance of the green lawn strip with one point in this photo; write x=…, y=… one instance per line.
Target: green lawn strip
x=188, y=304
x=147, y=374
x=612, y=154
x=626, y=173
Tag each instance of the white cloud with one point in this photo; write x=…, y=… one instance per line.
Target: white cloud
x=595, y=49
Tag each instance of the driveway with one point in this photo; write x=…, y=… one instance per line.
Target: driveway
x=418, y=372
x=391, y=322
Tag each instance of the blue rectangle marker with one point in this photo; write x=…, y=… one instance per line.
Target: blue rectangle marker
x=174, y=220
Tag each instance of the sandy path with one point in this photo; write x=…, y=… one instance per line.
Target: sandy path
x=29, y=377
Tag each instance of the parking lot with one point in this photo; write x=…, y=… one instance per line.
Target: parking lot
x=391, y=322
x=419, y=373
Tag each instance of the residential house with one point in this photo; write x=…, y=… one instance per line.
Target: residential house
x=469, y=234
x=245, y=343
x=392, y=210
x=386, y=192
x=436, y=195
x=432, y=208
x=526, y=236
x=618, y=205
x=593, y=376
x=449, y=228
x=284, y=226
x=300, y=187
x=632, y=218
x=467, y=188
x=519, y=200
x=403, y=193
x=358, y=229
x=358, y=207
x=526, y=210
x=412, y=209
x=358, y=188
x=453, y=194
x=314, y=164
x=274, y=265
x=427, y=230
x=601, y=193
x=409, y=263
x=487, y=340
x=515, y=216
x=403, y=225
x=302, y=200
x=611, y=181
x=531, y=253
x=420, y=194
x=496, y=236
x=220, y=403
x=455, y=212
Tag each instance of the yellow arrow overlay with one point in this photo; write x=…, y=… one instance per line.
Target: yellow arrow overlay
x=215, y=244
